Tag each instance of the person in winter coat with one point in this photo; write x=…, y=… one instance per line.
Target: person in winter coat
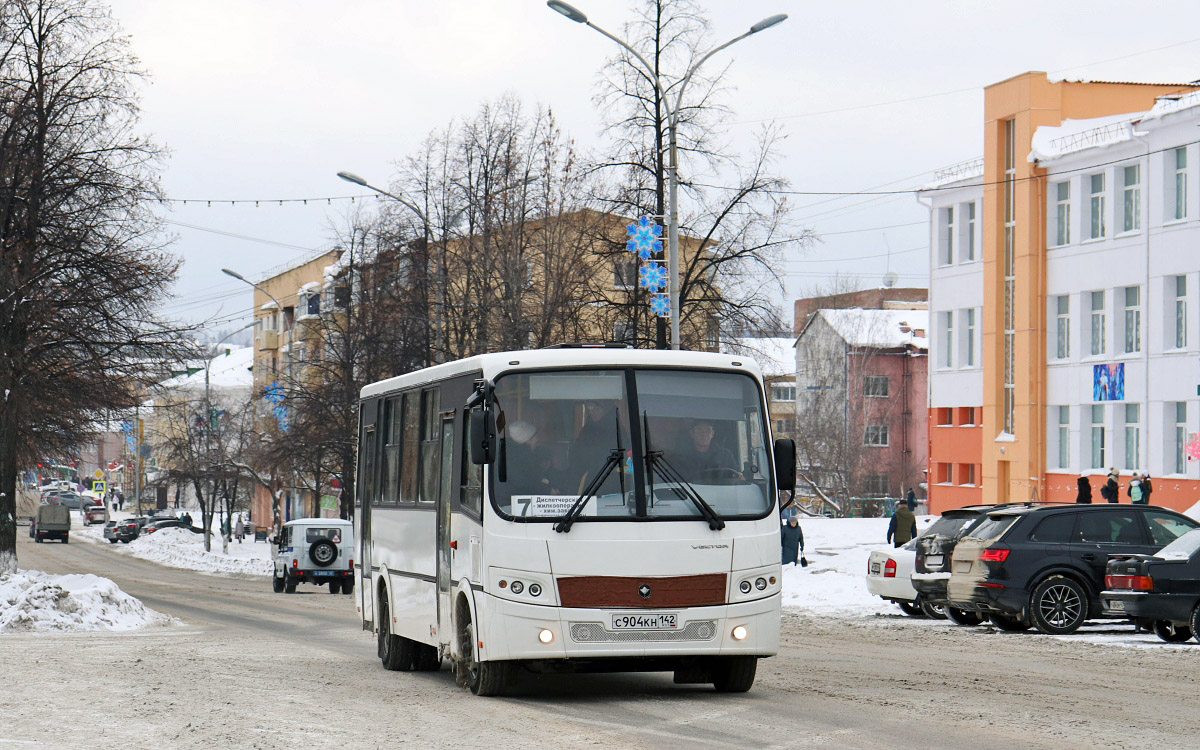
x=239, y=529
x=793, y=542
x=1146, y=489
x=911, y=498
x=1111, y=491
x=1085, y=491
x=903, y=526
x=1134, y=490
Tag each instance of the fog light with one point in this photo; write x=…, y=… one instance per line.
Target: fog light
x=516, y=587
x=503, y=583
x=535, y=589
x=545, y=636
x=739, y=633
x=745, y=587
x=760, y=583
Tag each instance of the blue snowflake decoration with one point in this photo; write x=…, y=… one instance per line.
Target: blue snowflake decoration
x=274, y=393
x=652, y=277
x=281, y=415
x=644, y=238
x=660, y=305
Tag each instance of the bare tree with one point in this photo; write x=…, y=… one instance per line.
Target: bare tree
x=737, y=231
x=82, y=263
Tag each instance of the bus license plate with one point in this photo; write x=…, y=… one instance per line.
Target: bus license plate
x=649, y=621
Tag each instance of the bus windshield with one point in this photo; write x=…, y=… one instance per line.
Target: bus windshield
x=697, y=438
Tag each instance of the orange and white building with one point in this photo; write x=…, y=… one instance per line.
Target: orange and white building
x=1065, y=296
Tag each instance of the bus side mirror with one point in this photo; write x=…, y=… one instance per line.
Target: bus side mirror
x=481, y=437
x=785, y=464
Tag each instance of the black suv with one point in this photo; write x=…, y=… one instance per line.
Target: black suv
x=1043, y=566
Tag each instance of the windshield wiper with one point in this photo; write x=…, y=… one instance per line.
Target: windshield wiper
x=684, y=488
x=614, y=459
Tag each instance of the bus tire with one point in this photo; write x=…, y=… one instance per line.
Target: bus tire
x=483, y=678
x=395, y=651
x=734, y=674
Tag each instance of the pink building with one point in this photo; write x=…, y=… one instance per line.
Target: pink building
x=861, y=403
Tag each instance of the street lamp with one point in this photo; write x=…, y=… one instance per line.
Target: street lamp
x=291, y=357
x=578, y=16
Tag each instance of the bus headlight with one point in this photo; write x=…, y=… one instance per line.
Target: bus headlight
x=739, y=633
x=545, y=635
x=744, y=587
x=759, y=583
x=535, y=589
x=516, y=587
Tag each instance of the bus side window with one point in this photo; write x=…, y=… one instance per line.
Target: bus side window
x=470, y=484
x=408, y=454
x=430, y=444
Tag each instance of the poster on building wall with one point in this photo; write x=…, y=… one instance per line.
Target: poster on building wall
x=1108, y=382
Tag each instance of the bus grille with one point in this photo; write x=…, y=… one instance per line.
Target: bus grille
x=594, y=632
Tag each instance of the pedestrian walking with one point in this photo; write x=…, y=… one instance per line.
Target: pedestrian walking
x=903, y=526
x=1146, y=489
x=911, y=498
x=1134, y=490
x=1084, y=495
x=792, y=538
x=239, y=529
x=1111, y=491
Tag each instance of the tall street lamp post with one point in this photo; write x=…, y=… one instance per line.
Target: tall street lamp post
x=578, y=16
x=291, y=357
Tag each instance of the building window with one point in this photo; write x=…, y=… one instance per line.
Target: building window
x=1133, y=436
x=876, y=434
x=1133, y=320
x=1098, y=436
x=1097, y=323
x=1064, y=437
x=969, y=249
x=944, y=473
x=877, y=485
x=1096, y=206
x=1181, y=183
x=1180, y=312
x=966, y=474
x=948, y=339
x=1133, y=198
x=785, y=425
x=967, y=416
x=623, y=331
x=1062, y=349
x=947, y=233
x=968, y=356
x=1010, y=275
x=1062, y=214
x=625, y=275
x=945, y=417
x=875, y=386
x=1181, y=437
x=783, y=393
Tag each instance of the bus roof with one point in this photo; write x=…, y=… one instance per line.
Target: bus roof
x=495, y=363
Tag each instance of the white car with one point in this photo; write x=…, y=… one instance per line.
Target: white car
x=314, y=550
x=889, y=575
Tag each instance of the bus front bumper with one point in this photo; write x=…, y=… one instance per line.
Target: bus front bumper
x=514, y=630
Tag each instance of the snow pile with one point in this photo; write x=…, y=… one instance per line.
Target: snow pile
x=33, y=601
x=835, y=581
x=180, y=548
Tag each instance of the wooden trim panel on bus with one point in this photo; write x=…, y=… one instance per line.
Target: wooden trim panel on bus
x=626, y=591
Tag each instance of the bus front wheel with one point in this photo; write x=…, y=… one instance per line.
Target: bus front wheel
x=484, y=678
x=734, y=674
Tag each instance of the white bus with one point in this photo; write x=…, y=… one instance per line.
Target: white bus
x=572, y=509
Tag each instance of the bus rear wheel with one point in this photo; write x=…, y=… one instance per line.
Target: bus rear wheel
x=395, y=651
x=734, y=674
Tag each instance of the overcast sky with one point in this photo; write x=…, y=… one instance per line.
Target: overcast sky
x=269, y=99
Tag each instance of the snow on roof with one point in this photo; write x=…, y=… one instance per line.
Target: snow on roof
x=774, y=355
x=1052, y=142
x=879, y=328
x=971, y=169
x=230, y=370
x=311, y=286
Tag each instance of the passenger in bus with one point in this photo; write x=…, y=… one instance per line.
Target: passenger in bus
x=702, y=458
x=591, y=446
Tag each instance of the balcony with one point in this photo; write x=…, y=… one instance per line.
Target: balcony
x=267, y=340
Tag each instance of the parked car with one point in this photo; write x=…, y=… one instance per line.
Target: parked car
x=125, y=531
x=154, y=524
x=315, y=550
x=94, y=514
x=1159, y=591
x=935, y=550
x=53, y=522
x=889, y=571
x=1044, y=566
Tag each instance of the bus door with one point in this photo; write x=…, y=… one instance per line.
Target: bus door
x=445, y=550
x=367, y=494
